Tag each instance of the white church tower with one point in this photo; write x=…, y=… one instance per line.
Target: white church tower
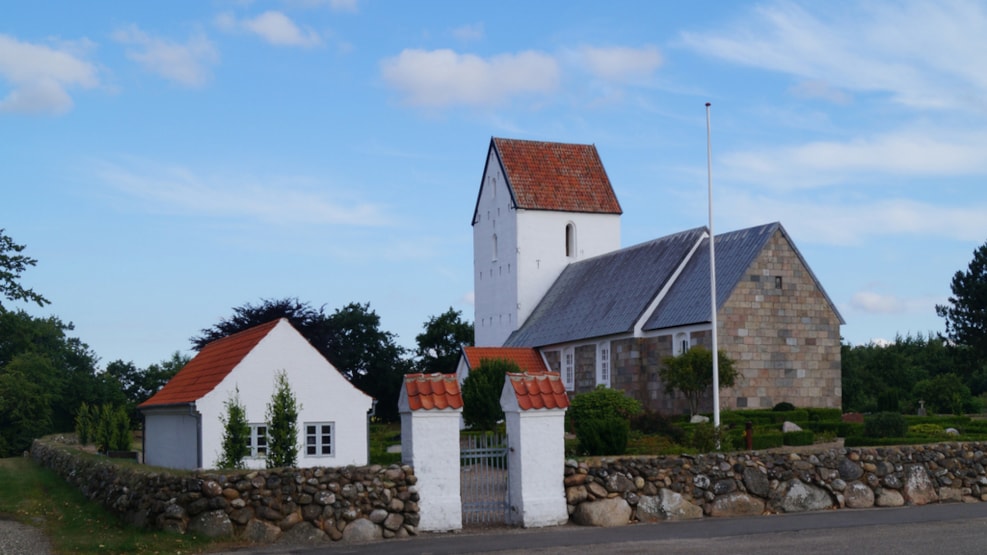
x=540, y=206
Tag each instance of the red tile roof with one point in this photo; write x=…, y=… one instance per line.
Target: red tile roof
x=213, y=363
x=433, y=391
x=556, y=176
x=528, y=359
x=541, y=390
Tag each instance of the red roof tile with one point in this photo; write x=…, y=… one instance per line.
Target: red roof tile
x=539, y=390
x=433, y=391
x=528, y=359
x=557, y=176
x=213, y=363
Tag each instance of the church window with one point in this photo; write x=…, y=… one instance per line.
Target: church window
x=570, y=240
x=494, y=257
x=603, y=364
x=681, y=343
x=569, y=369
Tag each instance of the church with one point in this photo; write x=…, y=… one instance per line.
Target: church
x=550, y=276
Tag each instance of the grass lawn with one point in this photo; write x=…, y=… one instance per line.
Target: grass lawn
x=36, y=496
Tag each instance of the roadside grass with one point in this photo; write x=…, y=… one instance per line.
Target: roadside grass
x=382, y=436
x=73, y=524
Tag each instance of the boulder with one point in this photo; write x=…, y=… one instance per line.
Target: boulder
x=361, y=530
x=790, y=427
x=798, y=496
x=756, y=481
x=258, y=531
x=610, y=512
x=736, y=504
x=304, y=533
x=858, y=496
x=850, y=470
x=918, y=488
x=698, y=419
x=676, y=507
x=211, y=524
x=888, y=498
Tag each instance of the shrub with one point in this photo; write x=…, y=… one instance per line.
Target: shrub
x=704, y=438
x=604, y=436
x=282, y=424
x=927, y=430
x=885, y=424
x=84, y=424
x=481, y=393
x=236, y=433
x=783, y=406
x=653, y=422
x=804, y=437
x=768, y=439
x=600, y=403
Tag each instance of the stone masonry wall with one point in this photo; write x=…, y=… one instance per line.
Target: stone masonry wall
x=615, y=492
x=298, y=505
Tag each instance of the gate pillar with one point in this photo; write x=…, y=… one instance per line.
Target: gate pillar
x=534, y=409
x=430, y=407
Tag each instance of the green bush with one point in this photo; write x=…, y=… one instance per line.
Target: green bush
x=604, y=436
x=804, y=437
x=783, y=406
x=481, y=393
x=768, y=439
x=885, y=424
x=655, y=423
x=84, y=424
x=704, y=437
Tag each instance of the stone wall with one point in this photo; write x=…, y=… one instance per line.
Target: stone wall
x=611, y=492
x=298, y=505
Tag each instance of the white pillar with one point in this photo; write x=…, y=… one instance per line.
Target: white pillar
x=430, y=444
x=536, y=450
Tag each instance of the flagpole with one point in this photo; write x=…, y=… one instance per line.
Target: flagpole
x=712, y=276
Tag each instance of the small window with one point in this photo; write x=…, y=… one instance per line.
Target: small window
x=318, y=439
x=603, y=364
x=494, y=245
x=778, y=282
x=569, y=370
x=570, y=240
x=257, y=442
x=681, y=344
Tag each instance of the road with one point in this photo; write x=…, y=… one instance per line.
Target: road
x=956, y=529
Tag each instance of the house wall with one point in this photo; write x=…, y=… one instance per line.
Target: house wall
x=322, y=393
x=785, y=340
x=175, y=433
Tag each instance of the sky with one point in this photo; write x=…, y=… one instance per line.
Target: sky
x=165, y=162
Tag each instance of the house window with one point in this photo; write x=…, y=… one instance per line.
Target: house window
x=568, y=370
x=570, y=240
x=257, y=442
x=778, y=284
x=681, y=344
x=603, y=364
x=318, y=439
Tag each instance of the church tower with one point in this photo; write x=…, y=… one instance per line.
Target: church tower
x=540, y=207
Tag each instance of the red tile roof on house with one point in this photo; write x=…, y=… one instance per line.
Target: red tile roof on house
x=528, y=359
x=433, y=391
x=213, y=363
x=540, y=390
x=556, y=176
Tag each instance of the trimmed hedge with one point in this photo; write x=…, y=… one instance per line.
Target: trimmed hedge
x=805, y=437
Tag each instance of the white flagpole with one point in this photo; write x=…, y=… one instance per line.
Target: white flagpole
x=712, y=276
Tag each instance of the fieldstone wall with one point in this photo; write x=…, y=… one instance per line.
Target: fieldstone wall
x=296, y=505
x=611, y=492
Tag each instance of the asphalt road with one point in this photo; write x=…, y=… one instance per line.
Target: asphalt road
x=955, y=529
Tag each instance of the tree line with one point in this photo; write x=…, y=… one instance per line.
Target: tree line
x=46, y=374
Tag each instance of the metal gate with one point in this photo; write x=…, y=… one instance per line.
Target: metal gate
x=483, y=478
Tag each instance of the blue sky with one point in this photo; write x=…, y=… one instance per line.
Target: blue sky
x=166, y=162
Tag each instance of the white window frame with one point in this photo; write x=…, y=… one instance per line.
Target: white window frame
x=258, y=441
x=315, y=439
x=603, y=370
x=682, y=343
x=569, y=368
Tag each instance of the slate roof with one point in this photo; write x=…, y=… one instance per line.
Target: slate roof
x=687, y=302
x=528, y=359
x=539, y=390
x=561, y=177
x=606, y=294
x=433, y=391
x=213, y=363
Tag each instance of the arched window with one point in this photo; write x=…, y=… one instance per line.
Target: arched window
x=570, y=240
x=681, y=344
x=494, y=245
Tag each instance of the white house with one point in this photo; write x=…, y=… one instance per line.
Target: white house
x=182, y=427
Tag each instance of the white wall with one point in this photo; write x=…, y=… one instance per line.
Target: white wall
x=430, y=443
x=171, y=437
x=323, y=395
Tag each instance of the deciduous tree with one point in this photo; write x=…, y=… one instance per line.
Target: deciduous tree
x=440, y=345
x=691, y=374
x=12, y=265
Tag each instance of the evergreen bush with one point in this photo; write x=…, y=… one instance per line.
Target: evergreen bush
x=604, y=436
x=885, y=424
x=804, y=437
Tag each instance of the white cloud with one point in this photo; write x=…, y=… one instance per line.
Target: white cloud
x=924, y=55
x=851, y=221
x=440, y=78
x=278, y=200
x=272, y=26
x=877, y=303
x=185, y=63
x=911, y=152
x=821, y=90
x=620, y=63
x=39, y=76
x=334, y=5
x=469, y=33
